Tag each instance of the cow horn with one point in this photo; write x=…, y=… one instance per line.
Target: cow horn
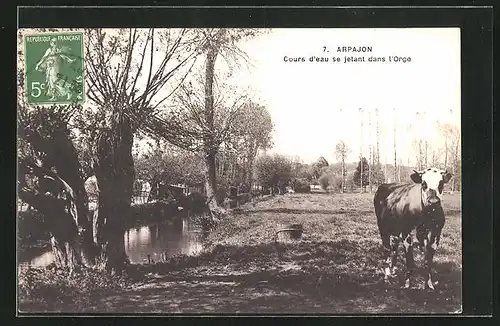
x=444, y=171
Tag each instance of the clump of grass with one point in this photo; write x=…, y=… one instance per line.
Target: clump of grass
x=204, y=221
x=56, y=289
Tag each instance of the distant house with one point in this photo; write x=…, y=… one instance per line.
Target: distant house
x=177, y=190
x=141, y=191
x=198, y=187
x=315, y=187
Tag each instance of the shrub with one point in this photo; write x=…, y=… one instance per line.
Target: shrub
x=222, y=192
x=336, y=182
x=266, y=191
x=324, y=181
x=197, y=203
x=153, y=211
x=31, y=227
x=52, y=287
x=244, y=198
x=256, y=193
x=301, y=186
x=205, y=221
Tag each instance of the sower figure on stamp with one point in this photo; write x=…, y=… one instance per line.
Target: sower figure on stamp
x=51, y=63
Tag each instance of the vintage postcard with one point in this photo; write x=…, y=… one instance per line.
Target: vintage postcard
x=239, y=171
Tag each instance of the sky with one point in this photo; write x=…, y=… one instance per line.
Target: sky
x=314, y=105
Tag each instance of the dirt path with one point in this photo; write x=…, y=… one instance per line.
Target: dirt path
x=335, y=268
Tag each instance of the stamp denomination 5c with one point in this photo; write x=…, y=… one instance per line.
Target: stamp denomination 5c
x=54, y=68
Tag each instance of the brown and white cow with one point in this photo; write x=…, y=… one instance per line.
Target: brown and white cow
x=402, y=208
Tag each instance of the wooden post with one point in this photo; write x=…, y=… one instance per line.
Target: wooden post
x=342, y=156
x=426, y=165
x=395, y=156
x=378, y=137
x=361, y=149
x=370, y=159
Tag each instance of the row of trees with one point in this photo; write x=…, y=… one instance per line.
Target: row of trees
x=137, y=81
x=278, y=171
x=442, y=150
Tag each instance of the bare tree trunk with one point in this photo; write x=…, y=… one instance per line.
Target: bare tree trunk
x=399, y=170
x=425, y=142
x=210, y=180
x=446, y=151
x=370, y=159
x=385, y=168
x=64, y=236
x=209, y=141
x=69, y=170
x=60, y=216
x=377, y=159
x=419, y=157
x=67, y=217
x=426, y=164
x=343, y=173
x=249, y=176
x=455, y=165
x=395, y=156
x=361, y=149
x=114, y=170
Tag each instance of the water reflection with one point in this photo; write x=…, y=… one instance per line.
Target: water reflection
x=159, y=241
x=162, y=240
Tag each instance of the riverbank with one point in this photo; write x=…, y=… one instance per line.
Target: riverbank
x=33, y=236
x=335, y=268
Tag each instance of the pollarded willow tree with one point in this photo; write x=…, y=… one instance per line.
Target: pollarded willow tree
x=50, y=176
x=128, y=72
x=50, y=180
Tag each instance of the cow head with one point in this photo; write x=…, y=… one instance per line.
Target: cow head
x=432, y=181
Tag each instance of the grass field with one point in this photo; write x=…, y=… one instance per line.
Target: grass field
x=335, y=268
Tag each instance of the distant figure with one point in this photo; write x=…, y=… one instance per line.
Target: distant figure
x=145, y=191
x=92, y=188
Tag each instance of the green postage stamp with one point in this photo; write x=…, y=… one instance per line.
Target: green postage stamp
x=54, y=68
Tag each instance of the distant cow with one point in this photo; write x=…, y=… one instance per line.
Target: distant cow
x=402, y=208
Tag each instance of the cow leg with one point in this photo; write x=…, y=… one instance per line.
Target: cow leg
x=390, y=270
x=421, y=234
x=410, y=263
x=430, y=249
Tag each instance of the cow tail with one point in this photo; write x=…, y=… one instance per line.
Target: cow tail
x=379, y=208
